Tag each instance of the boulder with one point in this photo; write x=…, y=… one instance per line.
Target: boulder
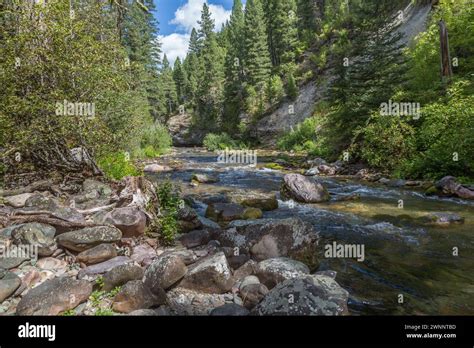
x=134, y=296
x=225, y=212
x=262, y=201
x=41, y=202
x=130, y=220
x=35, y=234
x=195, y=238
x=121, y=275
x=143, y=254
x=252, y=294
x=230, y=310
x=156, y=168
x=269, y=238
x=245, y=270
x=303, y=189
x=91, y=185
x=188, y=220
x=103, y=267
x=312, y=171
x=326, y=170
x=17, y=201
x=274, y=271
x=9, y=282
x=448, y=186
x=303, y=297
x=89, y=237
x=210, y=275
x=204, y=179
x=54, y=296
x=164, y=272
x=183, y=301
x=97, y=254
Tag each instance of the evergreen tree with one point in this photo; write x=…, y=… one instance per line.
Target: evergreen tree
x=170, y=101
x=234, y=83
x=194, y=45
x=257, y=63
x=179, y=76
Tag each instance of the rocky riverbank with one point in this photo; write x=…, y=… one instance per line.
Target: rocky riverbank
x=96, y=257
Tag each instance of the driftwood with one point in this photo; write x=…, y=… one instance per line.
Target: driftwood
x=43, y=185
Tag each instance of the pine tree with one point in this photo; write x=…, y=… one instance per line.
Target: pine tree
x=168, y=86
x=282, y=30
x=310, y=14
x=206, y=25
x=179, y=76
x=234, y=84
x=257, y=61
x=194, y=45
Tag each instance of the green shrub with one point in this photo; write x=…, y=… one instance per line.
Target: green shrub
x=169, y=202
x=118, y=165
x=155, y=141
x=214, y=142
x=291, y=87
x=275, y=90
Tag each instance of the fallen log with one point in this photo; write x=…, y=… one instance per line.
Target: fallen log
x=43, y=185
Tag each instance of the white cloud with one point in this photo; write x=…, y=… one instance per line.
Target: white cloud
x=187, y=16
x=174, y=45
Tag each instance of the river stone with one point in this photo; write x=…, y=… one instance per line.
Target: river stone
x=189, y=302
x=164, y=272
x=89, y=237
x=441, y=219
x=300, y=297
x=277, y=270
x=130, y=220
x=204, y=179
x=269, y=238
x=195, y=238
x=143, y=254
x=225, y=212
x=230, y=310
x=312, y=171
x=211, y=275
x=52, y=264
x=326, y=170
x=449, y=186
x=90, y=185
x=263, y=201
x=134, y=296
x=17, y=201
x=97, y=254
x=41, y=202
x=9, y=282
x=252, y=214
x=101, y=268
x=11, y=262
x=208, y=223
x=252, y=294
x=245, y=270
x=120, y=275
x=37, y=234
x=54, y=296
x=188, y=219
x=156, y=168
x=303, y=189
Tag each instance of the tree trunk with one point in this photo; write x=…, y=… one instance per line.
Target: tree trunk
x=446, y=69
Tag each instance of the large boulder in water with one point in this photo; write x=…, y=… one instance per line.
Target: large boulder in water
x=449, y=186
x=303, y=189
x=269, y=238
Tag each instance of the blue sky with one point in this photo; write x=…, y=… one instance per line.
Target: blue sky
x=178, y=17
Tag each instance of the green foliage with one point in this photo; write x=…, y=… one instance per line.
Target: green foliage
x=275, y=90
x=156, y=140
x=214, y=142
x=118, y=165
x=291, y=87
x=169, y=202
x=304, y=138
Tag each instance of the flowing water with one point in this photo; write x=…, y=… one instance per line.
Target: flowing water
x=401, y=256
